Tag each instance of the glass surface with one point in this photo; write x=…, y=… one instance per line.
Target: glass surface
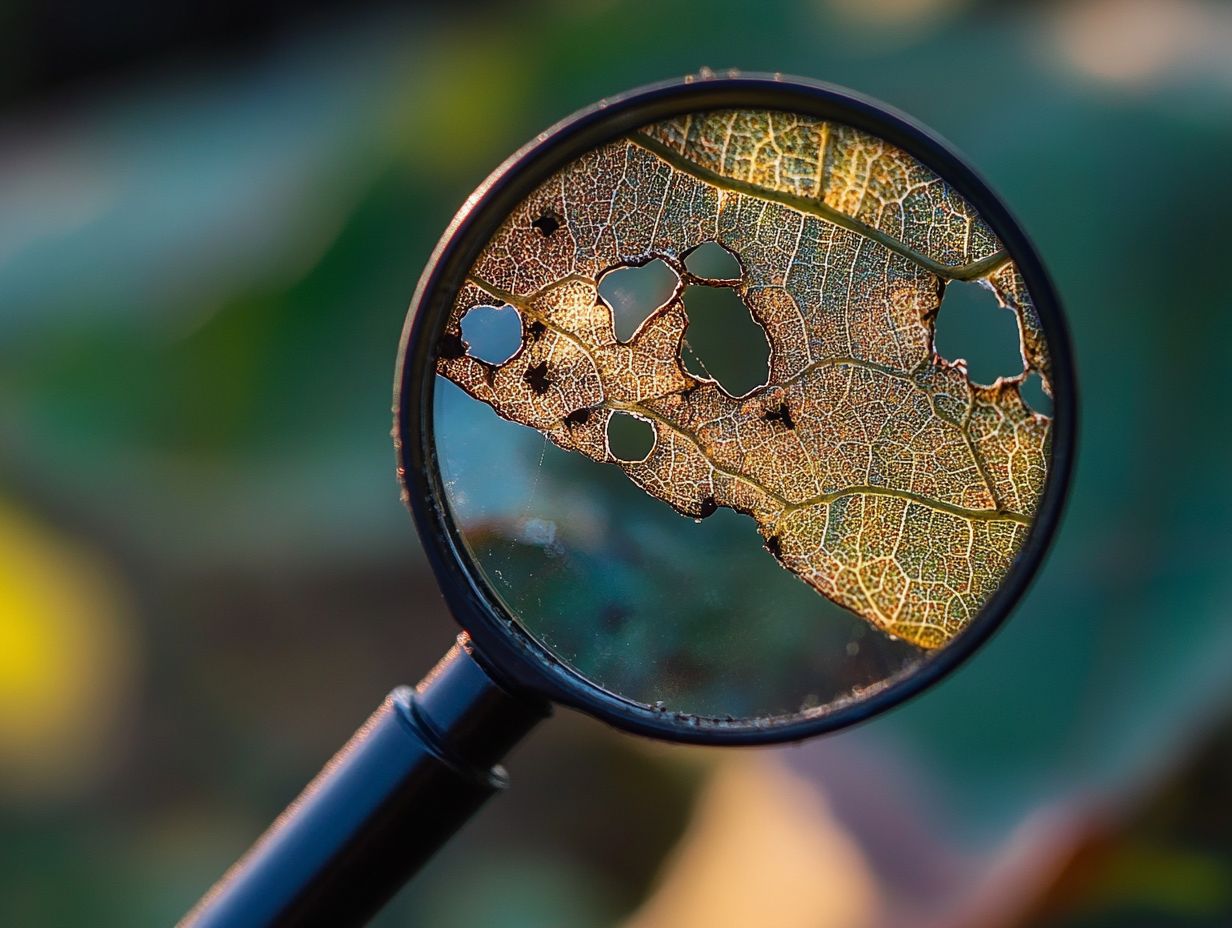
x=775, y=522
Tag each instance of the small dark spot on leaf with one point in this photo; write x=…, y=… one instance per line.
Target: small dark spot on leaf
x=547, y=223
x=537, y=377
x=708, y=507
x=536, y=329
x=451, y=346
x=578, y=417
x=772, y=545
x=781, y=413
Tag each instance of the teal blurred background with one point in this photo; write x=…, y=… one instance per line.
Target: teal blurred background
x=207, y=243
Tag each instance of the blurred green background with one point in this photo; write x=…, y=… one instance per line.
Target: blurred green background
x=210, y=227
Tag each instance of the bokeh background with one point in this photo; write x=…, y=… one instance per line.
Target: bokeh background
x=211, y=222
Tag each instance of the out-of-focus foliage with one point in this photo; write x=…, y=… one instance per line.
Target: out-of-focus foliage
x=203, y=271
x=64, y=642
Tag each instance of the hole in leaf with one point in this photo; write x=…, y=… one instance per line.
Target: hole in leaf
x=629, y=438
x=711, y=261
x=723, y=341
x=972, y=325
x=1032, y=392
x=492, y=333
x=546, y=224
x=636, y=292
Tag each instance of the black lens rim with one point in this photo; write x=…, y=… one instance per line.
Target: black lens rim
x=505, y=647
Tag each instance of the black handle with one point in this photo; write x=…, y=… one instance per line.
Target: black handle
x=407, y=780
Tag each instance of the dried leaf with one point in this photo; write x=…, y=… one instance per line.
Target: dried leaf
x=875, y=470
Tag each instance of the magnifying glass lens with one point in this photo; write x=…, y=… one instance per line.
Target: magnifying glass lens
x=687, y=453
x=695, y=435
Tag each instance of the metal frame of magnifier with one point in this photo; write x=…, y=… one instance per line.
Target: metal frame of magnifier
x=512, y=653
x=426, y=760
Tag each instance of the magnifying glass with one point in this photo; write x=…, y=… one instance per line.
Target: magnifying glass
x=683, y=454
